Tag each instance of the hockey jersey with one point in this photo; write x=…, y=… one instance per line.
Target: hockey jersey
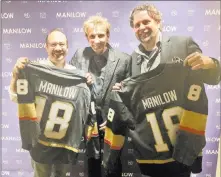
x=53, y=106
x=164, y=112
x=92, y=135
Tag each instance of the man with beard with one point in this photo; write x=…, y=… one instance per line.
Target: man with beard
x=107, y=66
x=46, y=159
x=146, y=22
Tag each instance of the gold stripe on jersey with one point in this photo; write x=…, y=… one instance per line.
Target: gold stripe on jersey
x=154, y=161
x=193, y=122
x=27, y=111
x=114, y=141
x=58, y=145
x=92, y=131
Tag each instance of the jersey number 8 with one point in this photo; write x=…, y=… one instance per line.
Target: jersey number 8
x=62, y=122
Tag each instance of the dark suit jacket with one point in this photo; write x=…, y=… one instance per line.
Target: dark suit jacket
x=117, y=69
x=178, y=46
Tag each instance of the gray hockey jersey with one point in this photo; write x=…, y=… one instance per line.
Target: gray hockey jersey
x=53, y=106
x=164, y=112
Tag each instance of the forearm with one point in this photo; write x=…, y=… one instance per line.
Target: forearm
x=12, y=90
x=212, y=75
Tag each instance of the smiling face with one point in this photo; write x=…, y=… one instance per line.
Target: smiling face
x=57, y=46
x=146, y=28
x=98, y=38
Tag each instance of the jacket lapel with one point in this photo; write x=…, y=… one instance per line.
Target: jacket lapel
x=165, y=49
x=165, y=55
x=136, y=66
x=85, y=60
x=85, y=64
x=112, y=62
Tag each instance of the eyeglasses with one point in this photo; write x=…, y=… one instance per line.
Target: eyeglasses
x=53, y=45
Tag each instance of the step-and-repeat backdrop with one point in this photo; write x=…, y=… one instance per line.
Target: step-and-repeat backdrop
x=24, y=25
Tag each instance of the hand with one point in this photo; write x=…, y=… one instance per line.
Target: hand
x=198, y=61
x=89, y=78
x=103, y=126
x=20, y=64
x=117, y=87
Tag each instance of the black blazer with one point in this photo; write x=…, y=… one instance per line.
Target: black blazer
x=117, y=69
x=178, y=46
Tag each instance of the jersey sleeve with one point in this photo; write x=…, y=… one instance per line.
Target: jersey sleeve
x=190, y=138
x=92, y=134
x=25, y=90
x=26, y=111
x=119, y=120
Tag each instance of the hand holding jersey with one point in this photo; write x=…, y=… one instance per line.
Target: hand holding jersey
x=162, y=101
x=53, y=106
x=22, y=61
x=199, y=61
x=195, y=60
x=20, y=64
x=89, y=78
x=169, y=120
x=60, y=111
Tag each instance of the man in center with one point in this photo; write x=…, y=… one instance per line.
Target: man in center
x=107, y=67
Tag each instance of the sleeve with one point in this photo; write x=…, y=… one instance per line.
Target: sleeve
x=92, y=135
x=29, y=127
x=118, y=124
x=74, y=60
x=210, y=76
x=25, y=89
x=12, y=96
x=190, y=138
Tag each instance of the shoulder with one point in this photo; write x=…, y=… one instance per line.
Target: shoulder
x=186, y=41
x=80, y=54
x=84, y=51
x=120, y=54
x=134, y=55
x=179, y=38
